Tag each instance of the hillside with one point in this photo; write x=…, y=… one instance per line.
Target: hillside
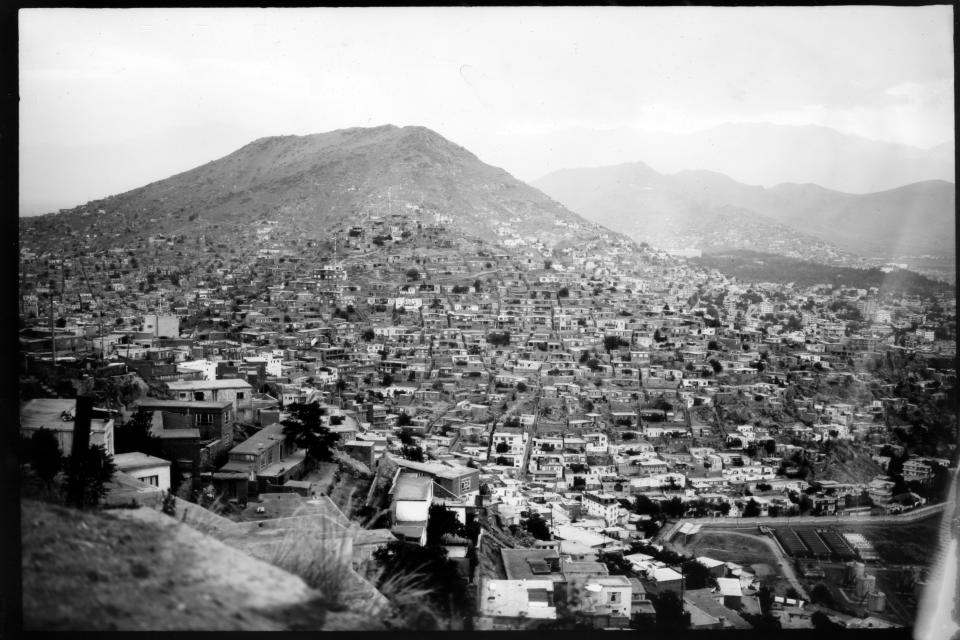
x=804, y=220
x=754, y=266
x=135, y=570
x=309, y=183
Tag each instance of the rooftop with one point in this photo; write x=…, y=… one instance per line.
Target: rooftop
x=136, y=460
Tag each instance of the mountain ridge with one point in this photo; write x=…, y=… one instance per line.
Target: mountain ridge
x=317, y=181
x=633, y=198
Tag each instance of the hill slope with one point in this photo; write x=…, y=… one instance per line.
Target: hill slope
x=803, y=220
x=313, y=182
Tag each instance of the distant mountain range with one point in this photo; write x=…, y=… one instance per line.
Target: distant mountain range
x=711, y=211
x=313, y=183
x=757, y=154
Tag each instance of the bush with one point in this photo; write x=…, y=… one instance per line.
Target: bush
x=44, y=454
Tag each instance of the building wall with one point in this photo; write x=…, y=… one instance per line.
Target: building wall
x=158, y=476
x=411, y=510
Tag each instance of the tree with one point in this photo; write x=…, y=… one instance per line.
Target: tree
x=412, y=274
x=670, y=613
x=563, y=292
x=406, y=436
x=612, y=342
x=45, y=456
x=696, y=575
x=765, y=597
x=306, y=427
x=413, y=453
x=537, y=527
x=822, y=622
x=752, y=510
x=442, y=521
x=387, y=380
x=404, y=420
x=87, y=475
x=521, y=387
x=135, y=436
x=502, y=447
x=821, y=594
x=368, y=335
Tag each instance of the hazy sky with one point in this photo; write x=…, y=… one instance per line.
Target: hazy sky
x=478, y=75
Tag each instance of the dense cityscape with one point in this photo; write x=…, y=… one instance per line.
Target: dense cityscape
x=480, y=319
x=595, y=436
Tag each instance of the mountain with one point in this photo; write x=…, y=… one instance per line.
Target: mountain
x=758, y=153
x=55, y=176
x=310, y=183
x=800, y=220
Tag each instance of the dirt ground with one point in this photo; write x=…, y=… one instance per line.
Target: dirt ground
x=136, y=570
x=750, y=551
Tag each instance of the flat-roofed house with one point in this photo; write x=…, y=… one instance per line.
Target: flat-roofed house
x=267, y=458
x=57, y=415
x=412, y=497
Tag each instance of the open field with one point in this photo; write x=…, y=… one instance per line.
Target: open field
x=745, y=548
x=908, y=543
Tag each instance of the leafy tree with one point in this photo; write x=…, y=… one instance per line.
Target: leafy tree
x=696, y=575
x=136, y=436
x=670, y=613
x=406, y=436
x=821, y=594
x=412, y=453
x=537, y=527
x=503, y=447
x=87, y=475
x=387, y=380
x=563, y=292
x=822, y=622
x=404, y=420
x=521, y=387
x=645, y=506
x=612, y=342
x=412, y=274
x=499, y=339
x=674, y=507
x=45, y=456
x=368, y=335
x=442, y=521
x=305, y=426
x=765, y=597
x=752, y=510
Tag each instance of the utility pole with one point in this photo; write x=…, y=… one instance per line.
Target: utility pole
x=53, y=337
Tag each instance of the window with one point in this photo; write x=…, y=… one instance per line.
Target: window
x=151, y=480
x=239, y=395
x=204, y=419
x=614, y=597
x=198, y=395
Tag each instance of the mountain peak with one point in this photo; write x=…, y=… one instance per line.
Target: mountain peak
x=320, y=182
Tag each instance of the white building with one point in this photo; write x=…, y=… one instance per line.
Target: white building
x=147, y=469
